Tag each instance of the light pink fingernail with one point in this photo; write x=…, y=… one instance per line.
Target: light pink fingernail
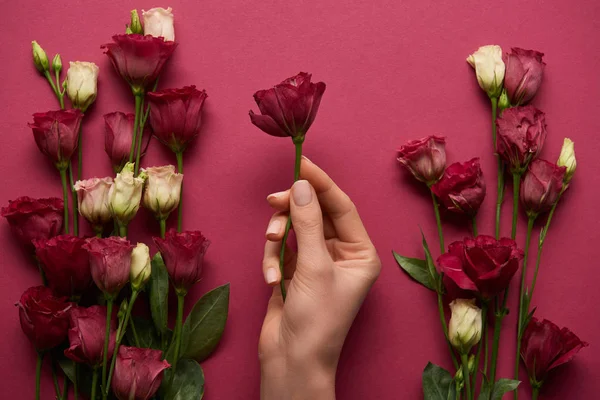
x=275, y=195
x=271, y=275
x=274, y=227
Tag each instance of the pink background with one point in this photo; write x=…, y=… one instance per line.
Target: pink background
x=394, y=71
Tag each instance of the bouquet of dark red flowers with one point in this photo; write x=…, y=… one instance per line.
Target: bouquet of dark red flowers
x=81, y=316
x=474, y=274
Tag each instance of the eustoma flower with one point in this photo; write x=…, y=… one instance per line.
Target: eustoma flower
x=462, y=188
x=110, y=263
x=66, y=264
x=118, y=138
x=140, y=266
x=92, y=199
x=545, y=346
x=425, y=158
x=162, y=192
x=567, y=160
x=541, y=187
x=524, y=72
x=32, y=219
x=158, y=22
x=484, y=264
x=465, y=326
x=82, y=84
x=489, y=68
x=125, y=195
x=44, y=317
x=138, y=373
x=86, y=335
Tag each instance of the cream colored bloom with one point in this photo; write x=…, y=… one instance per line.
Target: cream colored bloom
x=125, y=194
x=163, y=189
x=489, y=68
x=140, y=266
x=158, y=22
x=92, y=199
x=465, y=326
x=82, y=84
x=567, y=159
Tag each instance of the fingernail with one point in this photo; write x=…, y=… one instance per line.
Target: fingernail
x=307, y=159
x=274, y=227
x=302, y=193
x=271, y=275
x=275, y=195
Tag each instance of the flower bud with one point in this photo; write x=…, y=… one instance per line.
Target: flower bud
x=459, y=377
x=163, y=189
x=140, y=266
x=465, y=326
x=40, y=59
x=489, y=68
x=567, y=159
x=57, y=64
x=82, y=84
x=503, y=101
x=135, y=26
x=425, y=158
x=125, y=195
x=123, y=308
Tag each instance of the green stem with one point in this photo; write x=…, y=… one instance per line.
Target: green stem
x=500, y=173
x=496, y=344
x=74, y=201
x=63, y=178
x=465, y=367
x=109, y=305
x=42, y=273
x=122, y=230
x=445, y=328
x=59, y=89
x=178, y=327
x=94, y=383
x=163, y=227
x=55, y=380
x=75, y=384
x=474, y=225
x=136, y=123
x=140, y=134
x=516, y=186
x=38, y=375
x=438, y=221
x=484, y=309
x=98, y=230
x=298, y=141
x=65, y=393
x=535, y=393
x=179, y=156
x=54, y=89
x=120, y=335
x=486, y=341
x=136, y=338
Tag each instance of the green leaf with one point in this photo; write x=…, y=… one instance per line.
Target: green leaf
x=204, y=325
x=416, y=269
x=187, y=384
x=503, y=386
x=68, y=367
x=484, y=393
x=437, y=383
x=159, y=293
x=146, y=332
x=433, y=273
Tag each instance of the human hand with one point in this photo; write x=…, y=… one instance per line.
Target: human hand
x=327, y=281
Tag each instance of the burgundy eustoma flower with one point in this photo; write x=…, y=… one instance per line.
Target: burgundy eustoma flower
x=541, y=186
x=483, y=264
x=86, y=335
x=56, y=134
x=139, y=59
x=44, y=317
x=462, y=188
x=138, y=373
x=183, y=254
x=32, y=219
x=176, y=115
x=521, y=135
x=288, y=109
x=65, y=263
x=118, y=137
x=110, y=263
x=545, y=346
x=523, y=76
x=425, y=158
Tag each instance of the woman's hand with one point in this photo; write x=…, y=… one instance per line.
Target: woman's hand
x=326, y=281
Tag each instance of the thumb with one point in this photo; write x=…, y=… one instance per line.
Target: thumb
x=307, y=218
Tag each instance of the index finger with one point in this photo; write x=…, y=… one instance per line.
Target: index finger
x=334, y=202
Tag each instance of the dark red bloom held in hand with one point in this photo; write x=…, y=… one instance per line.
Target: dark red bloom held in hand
x=289, y=108
x=138, y=373
x=56, y=134
x=545, y=346
x=523, y=76
x=483, y=264
x=44, y=317
x=176, y=115
x=118, y=137
x=65, y=263
x=32, y=219
x=541, y=186
x=462, y=188
x=183, y=254
x=521, y=135
x=110, y=263
x=86, y=335
x=425, y=158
